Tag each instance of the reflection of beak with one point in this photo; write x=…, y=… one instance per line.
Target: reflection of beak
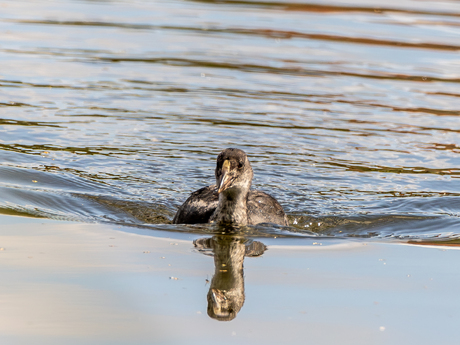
x=226, y=180
x=220, y=302
x=217, y=296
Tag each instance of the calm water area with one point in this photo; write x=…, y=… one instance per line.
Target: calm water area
x=113, y=112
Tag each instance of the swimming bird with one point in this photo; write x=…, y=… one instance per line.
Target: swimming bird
x=231, y=201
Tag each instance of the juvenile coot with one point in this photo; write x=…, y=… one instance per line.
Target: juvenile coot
x=230, y=200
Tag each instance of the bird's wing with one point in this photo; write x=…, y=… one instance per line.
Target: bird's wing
x=263, y=208
x=199, y=207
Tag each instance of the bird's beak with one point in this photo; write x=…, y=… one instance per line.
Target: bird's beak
x=226, y=179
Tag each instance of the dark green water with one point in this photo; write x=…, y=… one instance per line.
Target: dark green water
x=114, y=111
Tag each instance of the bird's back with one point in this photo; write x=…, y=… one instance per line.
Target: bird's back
x=199, y=207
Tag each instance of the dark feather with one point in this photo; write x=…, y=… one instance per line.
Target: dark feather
x=198, y=208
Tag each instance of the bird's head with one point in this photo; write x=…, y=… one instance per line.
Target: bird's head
x=233, y=171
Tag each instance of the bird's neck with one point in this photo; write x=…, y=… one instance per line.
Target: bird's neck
x=232, y=207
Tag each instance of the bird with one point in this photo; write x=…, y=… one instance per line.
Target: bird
x=231, y=201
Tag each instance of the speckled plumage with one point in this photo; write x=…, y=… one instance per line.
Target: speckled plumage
x=236, y=203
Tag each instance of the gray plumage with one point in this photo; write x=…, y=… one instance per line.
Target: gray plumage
x=230, y=200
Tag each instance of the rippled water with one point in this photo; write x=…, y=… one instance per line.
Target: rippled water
x=114, y=111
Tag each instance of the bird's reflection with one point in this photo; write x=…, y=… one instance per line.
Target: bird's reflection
x=226, y=293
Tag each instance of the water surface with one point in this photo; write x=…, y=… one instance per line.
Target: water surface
x=114, y=111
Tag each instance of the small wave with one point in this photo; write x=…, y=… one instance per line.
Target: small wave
x=387, y=226
x=158, y=216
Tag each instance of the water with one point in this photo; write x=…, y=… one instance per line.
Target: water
x=114, y=111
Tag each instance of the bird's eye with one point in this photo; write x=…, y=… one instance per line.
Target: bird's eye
x=240, y=165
